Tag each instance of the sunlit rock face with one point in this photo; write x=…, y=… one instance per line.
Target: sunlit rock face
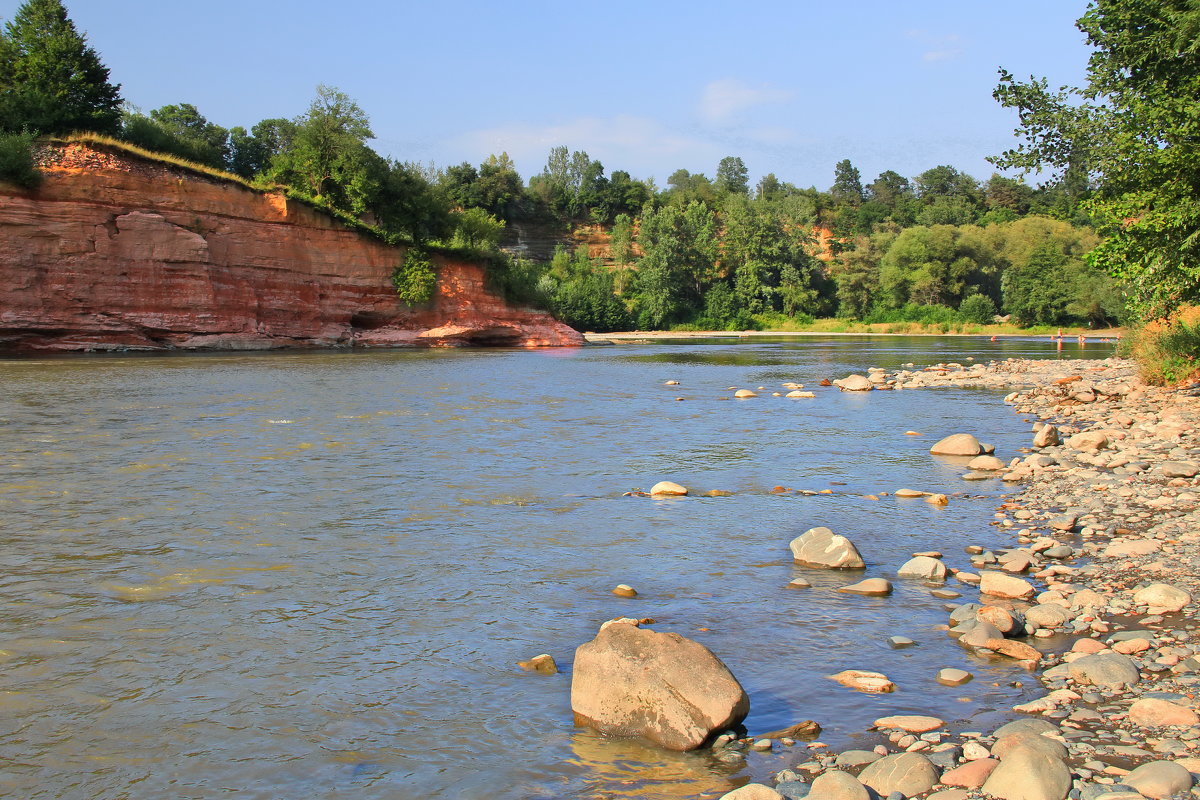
x=113, y=252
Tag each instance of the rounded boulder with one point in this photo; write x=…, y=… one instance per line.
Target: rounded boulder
x=821, y=547
x=958, y=444
x=632, y=681
x=909, y=774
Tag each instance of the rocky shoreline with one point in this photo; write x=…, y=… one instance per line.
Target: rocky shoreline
x=1106, y=525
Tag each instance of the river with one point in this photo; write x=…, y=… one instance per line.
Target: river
x=311, y=575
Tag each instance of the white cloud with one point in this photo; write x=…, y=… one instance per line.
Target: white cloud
x=937, y=48
x=724, y=99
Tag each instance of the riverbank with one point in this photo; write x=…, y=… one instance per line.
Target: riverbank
x=1107, y=551
x=1108, y=335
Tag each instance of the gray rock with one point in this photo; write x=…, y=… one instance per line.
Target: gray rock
x=1180, y=469
x=793, y=790
x=907, y=773
x=1159, y=779
x=821, y=547
x=964, y=613
x=1109, y=670
x=980, y=634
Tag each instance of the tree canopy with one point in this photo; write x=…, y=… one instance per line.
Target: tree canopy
x=51, y=81
x=1132, y=134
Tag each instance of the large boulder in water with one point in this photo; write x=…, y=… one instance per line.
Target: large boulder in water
x=821, y=547
x=854, y=383
x=632, y=681
x=959, y=444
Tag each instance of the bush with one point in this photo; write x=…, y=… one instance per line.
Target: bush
x=1167, y=352
x=911, y=312
x=415, y=278
x=16, y=160
x=978, y=308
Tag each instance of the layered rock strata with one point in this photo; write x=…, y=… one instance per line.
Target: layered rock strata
x=113, y=252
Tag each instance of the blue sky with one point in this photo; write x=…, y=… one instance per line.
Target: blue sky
x=649, y=87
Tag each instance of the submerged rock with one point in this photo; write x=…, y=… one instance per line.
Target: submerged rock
x=543, y=665
x=870, y=682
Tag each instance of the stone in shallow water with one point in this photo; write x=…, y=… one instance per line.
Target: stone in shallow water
x=910, y=723
x=952, y=676
x=632, y=681
x=860, y=680
x=543, y=665
x=821, y=547
x=958, y=444
x=900, y=642
x=923, y=568
x=668, y=488
x=873, y=587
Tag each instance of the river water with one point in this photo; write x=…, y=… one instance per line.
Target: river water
x=311, y=575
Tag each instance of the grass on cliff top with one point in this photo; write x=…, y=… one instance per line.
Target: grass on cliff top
x=107, y=142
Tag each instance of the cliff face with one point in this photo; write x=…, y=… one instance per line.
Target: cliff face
x=112, y=252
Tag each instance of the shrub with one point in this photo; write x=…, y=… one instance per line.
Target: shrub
x=415, y=278
x=911, y=312
x=978, y=308
x=16, y=160
x=1168, y=352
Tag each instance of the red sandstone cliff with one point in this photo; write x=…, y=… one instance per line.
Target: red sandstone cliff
x=113, y=252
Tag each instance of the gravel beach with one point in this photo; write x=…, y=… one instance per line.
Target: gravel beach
x=1105, y=524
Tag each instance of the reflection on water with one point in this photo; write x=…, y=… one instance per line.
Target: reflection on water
x=311, y=575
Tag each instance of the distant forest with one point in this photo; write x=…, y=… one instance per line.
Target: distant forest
x=725, y=252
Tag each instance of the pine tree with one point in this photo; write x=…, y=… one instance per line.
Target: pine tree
x=51, y=81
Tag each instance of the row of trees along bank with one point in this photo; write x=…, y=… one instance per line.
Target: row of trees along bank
x=939, y=247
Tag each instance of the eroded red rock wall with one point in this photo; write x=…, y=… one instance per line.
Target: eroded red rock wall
x=112, y=252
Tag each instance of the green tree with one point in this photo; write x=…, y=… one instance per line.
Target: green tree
x=51, y=81
x=180, y=130
x=621, y=239
x=1132, y=129
x=476, y=229
x=327, y=157
x=251, y=152
x=978, y=308
x=847, y=183
x=410, y=206
x=732, y=176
